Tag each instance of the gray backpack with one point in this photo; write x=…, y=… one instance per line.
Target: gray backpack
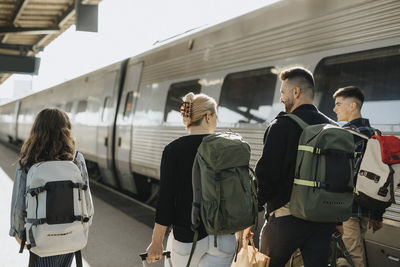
x=57, y=208
x=323, y=183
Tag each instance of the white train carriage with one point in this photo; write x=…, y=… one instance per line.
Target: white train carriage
x=124, y=114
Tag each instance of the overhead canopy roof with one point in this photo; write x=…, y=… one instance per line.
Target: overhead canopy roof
x=27, y=26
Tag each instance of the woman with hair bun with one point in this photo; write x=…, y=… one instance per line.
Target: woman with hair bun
x=174, y=206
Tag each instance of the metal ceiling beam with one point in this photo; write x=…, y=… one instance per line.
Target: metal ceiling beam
x=17, y=12
x=20, y=47
x=66, y=15
x=25, y=30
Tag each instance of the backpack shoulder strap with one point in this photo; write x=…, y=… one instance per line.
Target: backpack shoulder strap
x=78, y=258
x=297, y=119
x=75, y=155
x=337, y=237
x=196, y=186
x=195, y=237
x=355, y=132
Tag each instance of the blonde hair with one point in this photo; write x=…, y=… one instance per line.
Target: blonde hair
x=201, y=104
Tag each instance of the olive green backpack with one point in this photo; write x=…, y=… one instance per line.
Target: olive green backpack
x=323, y=183
x=224, y=195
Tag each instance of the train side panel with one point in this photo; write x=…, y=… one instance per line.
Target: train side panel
x=7, y=122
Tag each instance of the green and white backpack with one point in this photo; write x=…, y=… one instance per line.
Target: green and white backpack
x=323, y=183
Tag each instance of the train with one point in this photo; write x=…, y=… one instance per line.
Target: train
x=124, y=114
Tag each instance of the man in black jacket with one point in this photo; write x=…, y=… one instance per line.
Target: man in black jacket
x=282, y=233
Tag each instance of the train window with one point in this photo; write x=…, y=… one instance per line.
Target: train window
x=174, y=99
x=68, y=107
x=82, y=104
x=375, y=71
x=246, y=97
x=128, y=105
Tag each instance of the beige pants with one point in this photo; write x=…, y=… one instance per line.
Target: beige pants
x=354, y=231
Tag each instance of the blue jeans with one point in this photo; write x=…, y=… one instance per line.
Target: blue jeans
x=281, y=236
x=205, y=253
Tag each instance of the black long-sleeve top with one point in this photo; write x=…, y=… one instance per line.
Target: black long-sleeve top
x=176, y=194
x=275, y=169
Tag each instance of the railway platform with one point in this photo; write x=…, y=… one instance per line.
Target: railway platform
x=121, y=227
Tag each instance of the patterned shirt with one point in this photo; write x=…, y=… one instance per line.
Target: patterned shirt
x=362, y=125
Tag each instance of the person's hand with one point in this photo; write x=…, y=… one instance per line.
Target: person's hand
x=154, y=252
x=239, y=241
x=339, y=228
x=247, y=232
x=375, y=225
x=243, y=236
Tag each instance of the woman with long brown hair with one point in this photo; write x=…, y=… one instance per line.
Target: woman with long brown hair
x=50, y=139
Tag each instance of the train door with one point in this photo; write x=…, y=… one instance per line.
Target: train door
x=105, y=129
x=124, y=127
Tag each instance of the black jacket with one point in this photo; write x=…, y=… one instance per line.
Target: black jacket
x=174, y=205
x=275, y=169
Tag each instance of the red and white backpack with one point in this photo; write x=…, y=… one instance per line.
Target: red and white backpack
x=379, y=174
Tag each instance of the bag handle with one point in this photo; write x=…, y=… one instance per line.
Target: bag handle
x=253, y=257
x=252, y=242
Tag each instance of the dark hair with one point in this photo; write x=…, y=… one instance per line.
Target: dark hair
x=298, y=72
x=350, y=91
x=50, y=139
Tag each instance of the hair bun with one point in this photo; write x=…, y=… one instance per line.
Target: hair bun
x=194, y=107
x=188, y=97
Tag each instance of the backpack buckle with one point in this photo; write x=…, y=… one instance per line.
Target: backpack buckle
x=383, y=191
x=79, y=186
x=36, y=191
x=317, y=150
x=337, y=235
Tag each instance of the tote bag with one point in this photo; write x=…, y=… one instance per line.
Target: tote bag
x=249, y=256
